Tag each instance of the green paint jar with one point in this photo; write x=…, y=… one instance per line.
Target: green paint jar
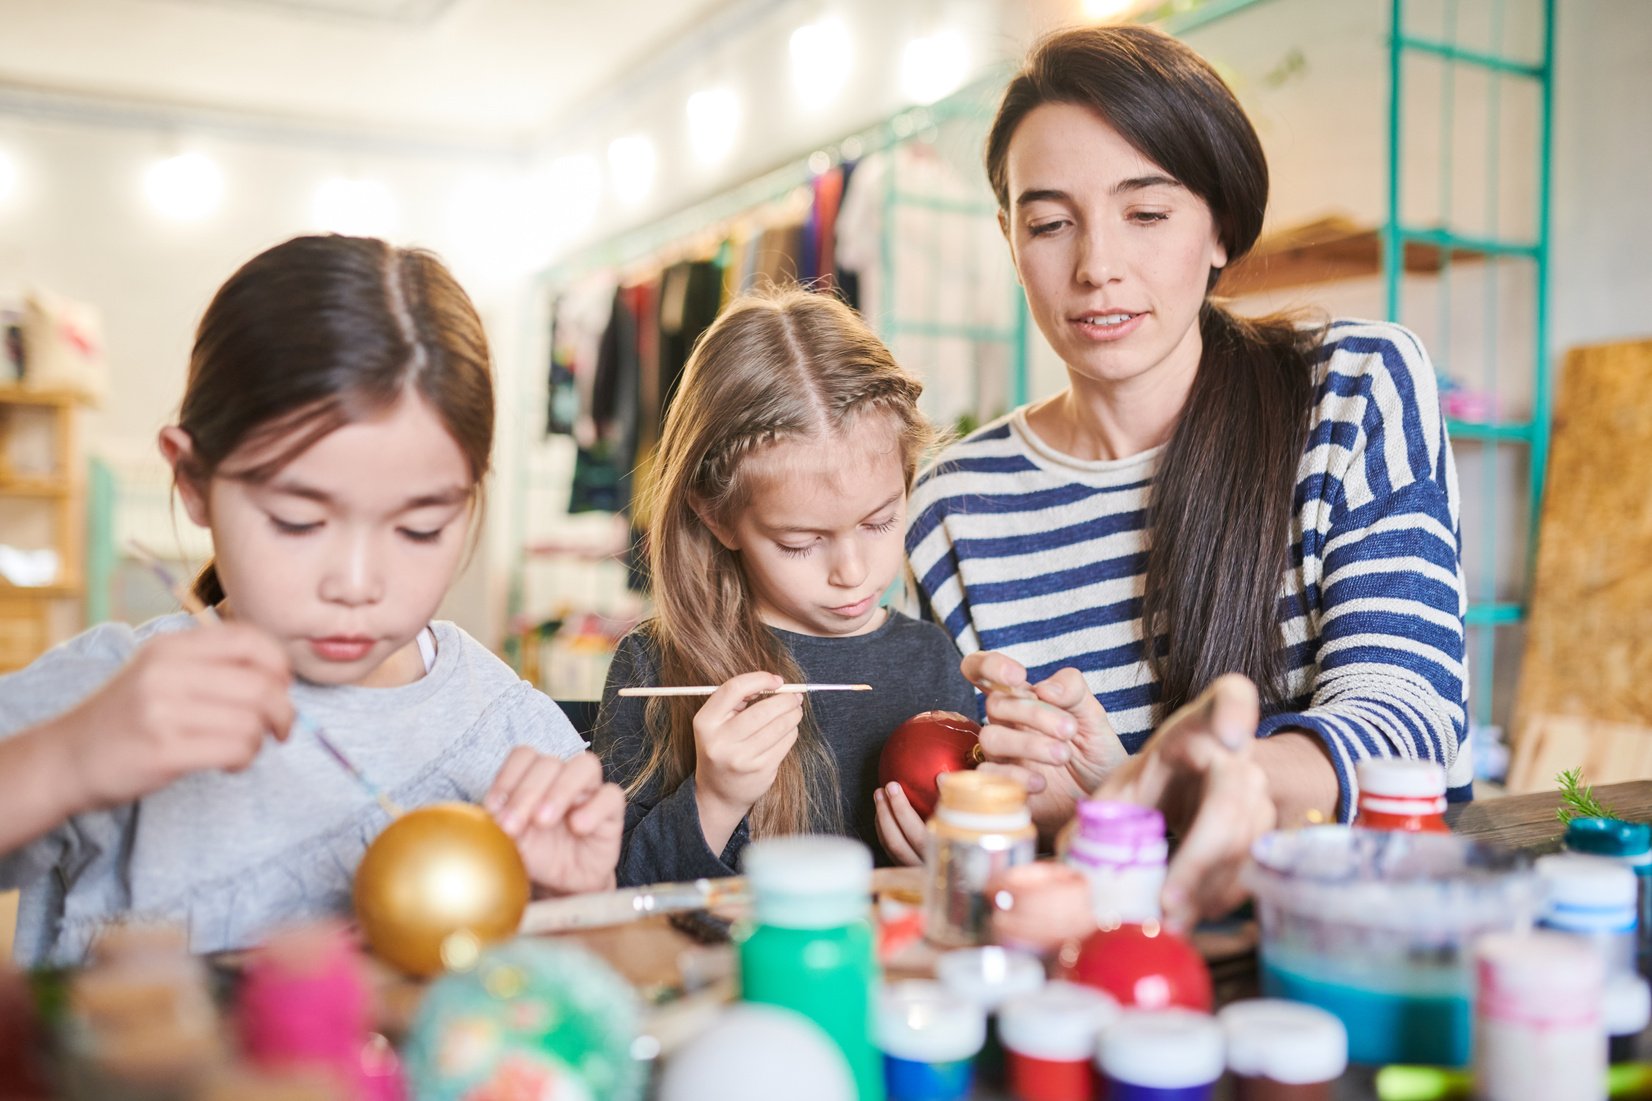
x=809, y=944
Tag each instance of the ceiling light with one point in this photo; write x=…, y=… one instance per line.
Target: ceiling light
x=934, y=66
x=713, y=123
x=822, y=55
x=185, y=188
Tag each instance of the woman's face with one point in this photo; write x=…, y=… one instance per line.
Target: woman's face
x=1114, y=254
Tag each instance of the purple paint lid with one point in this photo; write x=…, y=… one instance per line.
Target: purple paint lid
x=1119, y=823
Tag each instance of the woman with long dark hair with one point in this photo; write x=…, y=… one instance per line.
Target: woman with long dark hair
x=1222, y=565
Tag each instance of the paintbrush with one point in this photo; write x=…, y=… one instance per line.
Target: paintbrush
x=708, y=689
x=590, y=911
x=193, y=605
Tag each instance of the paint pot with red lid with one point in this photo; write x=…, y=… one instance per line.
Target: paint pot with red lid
x=1399, y=794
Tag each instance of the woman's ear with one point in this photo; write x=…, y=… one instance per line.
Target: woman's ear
x=1004, y=228
x=179, y=452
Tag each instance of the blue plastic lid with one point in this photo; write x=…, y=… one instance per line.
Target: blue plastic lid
x=1609, y=837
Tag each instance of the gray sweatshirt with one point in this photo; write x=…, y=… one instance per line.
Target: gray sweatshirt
x=233, y=855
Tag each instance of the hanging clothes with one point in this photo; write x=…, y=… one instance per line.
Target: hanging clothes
x=828, y=189
x=951, y=278
x=579, y=319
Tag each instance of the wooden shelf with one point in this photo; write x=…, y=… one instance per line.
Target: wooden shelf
x=1327, y=250
x=63, y=587
x=34, y=487
x=21, y=395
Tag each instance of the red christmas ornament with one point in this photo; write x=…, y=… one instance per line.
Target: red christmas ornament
x=922, y=748
x=1144, y=966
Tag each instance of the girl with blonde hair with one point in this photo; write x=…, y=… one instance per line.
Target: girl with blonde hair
x=778, y=509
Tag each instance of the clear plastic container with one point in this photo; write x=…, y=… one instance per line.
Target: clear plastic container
x=1377, y=928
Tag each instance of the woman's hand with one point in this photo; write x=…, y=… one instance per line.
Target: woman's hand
x=741, y=736
x=566, y=822
x=187, y=701
x=900, y=827
x=1053, y=735
x=1201, y=768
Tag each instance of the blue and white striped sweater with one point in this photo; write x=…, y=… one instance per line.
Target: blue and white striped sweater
x=1017, y=548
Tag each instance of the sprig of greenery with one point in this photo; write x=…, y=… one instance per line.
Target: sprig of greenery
x=1577, y=799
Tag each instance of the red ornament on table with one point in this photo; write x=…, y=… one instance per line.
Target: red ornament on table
x=922, y=748
x=1144, y=966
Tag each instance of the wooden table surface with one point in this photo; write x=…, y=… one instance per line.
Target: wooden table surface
x=1528, y=822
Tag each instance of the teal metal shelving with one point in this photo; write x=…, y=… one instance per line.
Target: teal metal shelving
x=1489, y=609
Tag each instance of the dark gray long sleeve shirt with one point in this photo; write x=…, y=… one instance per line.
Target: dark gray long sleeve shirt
x=911, y=666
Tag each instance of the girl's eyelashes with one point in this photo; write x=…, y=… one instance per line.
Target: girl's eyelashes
x=795, y=552
x=885, y=525
x=287, y=527
x=422, y=536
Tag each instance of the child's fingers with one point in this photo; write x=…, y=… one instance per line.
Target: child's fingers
x=602, y=814
x=762, y=738
x=895, y=842
x=217, y=644
x=760, y=719
x=906, y=815
x=516, y=766
x=731, y=697
x=220, y=737
x=529, y=792
x=575, y=781
x=769, y=753
x=247, y=687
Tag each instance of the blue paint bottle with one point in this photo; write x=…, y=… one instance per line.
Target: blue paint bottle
x=929, y=1039
x=1161, y=1055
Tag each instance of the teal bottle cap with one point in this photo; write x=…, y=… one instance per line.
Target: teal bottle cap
x=1609, y=837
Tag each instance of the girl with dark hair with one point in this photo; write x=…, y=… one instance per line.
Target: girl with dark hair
x=334, y=435
x=1222, y=565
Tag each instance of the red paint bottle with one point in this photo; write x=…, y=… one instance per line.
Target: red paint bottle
x=1404, y=795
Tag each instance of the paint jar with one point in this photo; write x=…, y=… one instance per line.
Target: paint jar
x=1050, y=1040
x=1039, y=907
x=1121, y=849
x=1283, y=1051
x=1594, y=899
x=981, y=827
x=929, y=1040
x=809, y=945
x=1161, y=1055
x=1629, y=843
x=1400, y=794
x=1626, y=1012
x=1377, y=928
x=986, y=978
x=1538, y=1031
x=304, y=1003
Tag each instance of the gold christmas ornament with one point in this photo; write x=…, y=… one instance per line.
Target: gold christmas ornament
x=439, y=874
